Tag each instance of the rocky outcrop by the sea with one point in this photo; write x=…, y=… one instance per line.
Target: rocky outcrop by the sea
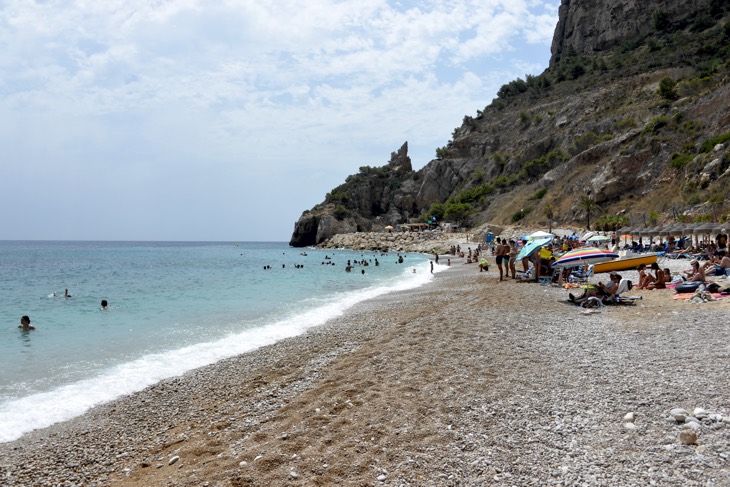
x=424, y=242
x=632, y=115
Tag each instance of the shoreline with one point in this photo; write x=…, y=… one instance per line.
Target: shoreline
x=465, y=381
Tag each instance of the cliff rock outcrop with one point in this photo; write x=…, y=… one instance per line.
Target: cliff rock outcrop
x=633, y=116
x=587, y=26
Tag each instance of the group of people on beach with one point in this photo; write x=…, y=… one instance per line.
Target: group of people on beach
x=506, y=252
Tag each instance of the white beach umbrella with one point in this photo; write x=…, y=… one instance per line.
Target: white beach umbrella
x=587, y=236
x=598, y=238
x=541, y=234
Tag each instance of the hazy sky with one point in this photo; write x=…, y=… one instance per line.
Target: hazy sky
x=224, y=120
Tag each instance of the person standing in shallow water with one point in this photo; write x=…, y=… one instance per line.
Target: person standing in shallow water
x=25, y=323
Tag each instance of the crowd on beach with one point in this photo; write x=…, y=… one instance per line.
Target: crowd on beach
x=707, y=259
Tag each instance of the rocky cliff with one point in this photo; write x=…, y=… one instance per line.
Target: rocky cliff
x=630, y=123
x=588, y=26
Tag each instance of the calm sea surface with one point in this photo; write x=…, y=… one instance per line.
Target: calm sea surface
x=175, y=306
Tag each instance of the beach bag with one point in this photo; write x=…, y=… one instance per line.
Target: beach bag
x=713, y=287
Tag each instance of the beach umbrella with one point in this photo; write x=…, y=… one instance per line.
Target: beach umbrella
x=533, y=245
x=587, y=236
x=389, y=227
x=584, y=256
x=541, y=234
x=598, y=238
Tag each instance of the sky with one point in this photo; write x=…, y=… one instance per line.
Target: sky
x=225, y=120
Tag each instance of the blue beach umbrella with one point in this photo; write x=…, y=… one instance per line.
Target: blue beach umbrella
x=533, y=245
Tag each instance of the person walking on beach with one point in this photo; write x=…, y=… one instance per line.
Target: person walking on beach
x=431, y=267
x=25, y=323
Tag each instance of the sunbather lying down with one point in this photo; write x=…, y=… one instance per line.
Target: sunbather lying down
x=607, y=293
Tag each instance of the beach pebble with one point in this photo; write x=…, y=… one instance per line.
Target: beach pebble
x=679, y=414
x=691, y=419
x=293, y=474
x=382, y=477
x=243, y=463
x=687, y=437
x=699, y=413
x=630, y=426
x=173, y=460
x=629, y=417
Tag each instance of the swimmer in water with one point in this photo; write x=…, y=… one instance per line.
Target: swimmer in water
x=25, y=323
x=104, y=304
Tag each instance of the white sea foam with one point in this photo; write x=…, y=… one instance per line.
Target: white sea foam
x=19, y=416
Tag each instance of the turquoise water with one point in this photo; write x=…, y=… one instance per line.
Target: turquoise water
x=174, y=306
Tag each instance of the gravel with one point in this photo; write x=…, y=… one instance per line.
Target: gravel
x=465, y=381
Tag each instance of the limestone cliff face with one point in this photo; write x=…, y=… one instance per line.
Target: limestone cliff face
x=632, y=113
x=587, y=26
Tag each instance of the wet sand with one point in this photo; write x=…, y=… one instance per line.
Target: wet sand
x=465, y=381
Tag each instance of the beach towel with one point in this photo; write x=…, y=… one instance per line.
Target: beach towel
x=688, y=296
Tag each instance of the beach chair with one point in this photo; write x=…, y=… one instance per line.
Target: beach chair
x=581, y=275
x=529, y=275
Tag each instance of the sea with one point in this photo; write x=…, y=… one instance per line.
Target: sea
x=172, y=307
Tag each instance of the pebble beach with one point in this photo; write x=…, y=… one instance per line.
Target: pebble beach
x=464, y=381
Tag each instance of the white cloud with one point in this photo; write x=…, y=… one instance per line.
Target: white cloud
x=154, y=92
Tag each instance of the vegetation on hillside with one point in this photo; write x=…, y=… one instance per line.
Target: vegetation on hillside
x=682, y=62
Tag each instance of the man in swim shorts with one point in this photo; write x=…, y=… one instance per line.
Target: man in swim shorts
x=502, y=256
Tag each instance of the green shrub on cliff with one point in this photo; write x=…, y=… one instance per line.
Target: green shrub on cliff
x=680, y=160
x=473, y=195
x=584, y=142
x=710, y=144
x=457, y=212
x=520, y=214
x=437, y=210
x=668, y=89
x=341, y=212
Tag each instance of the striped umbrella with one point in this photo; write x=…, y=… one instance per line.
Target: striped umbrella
x=584, y=256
